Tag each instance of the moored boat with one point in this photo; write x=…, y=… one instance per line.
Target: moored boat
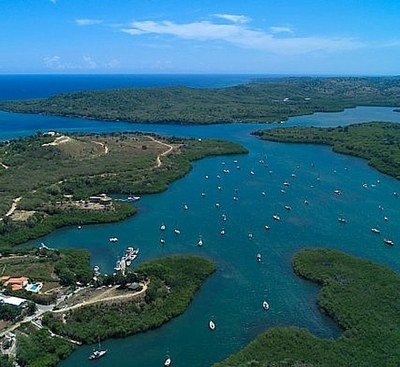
x=168, y=361
x=375, y=230
x=388, y=242
x=211, y=325
x=265, y=305
x=276, y=217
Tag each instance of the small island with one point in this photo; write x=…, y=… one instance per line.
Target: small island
x=377, y=142
x=262, y=100
x=361, y=296
x=51, y=179
x=85, y=305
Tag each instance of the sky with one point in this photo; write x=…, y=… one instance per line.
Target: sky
x=312, y=37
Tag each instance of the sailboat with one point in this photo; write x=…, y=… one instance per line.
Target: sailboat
x=265, y=305
x=98, y=353
x=168, y=361
x=211, y=325
x=200, y=242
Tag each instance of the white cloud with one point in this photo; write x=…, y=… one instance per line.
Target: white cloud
x=87, y=22
x=233, y=18
x=243, y=36
x=56, y=63
x=280, y=30
x=89, y=62
x=53, y=1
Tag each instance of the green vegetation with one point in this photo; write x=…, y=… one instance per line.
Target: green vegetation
x=264, y=100
x=40, y=349
x=49, y=178
x=57, y=267
x=362, y=297
x=173, y=282
x=5, y=361
x=378, y=142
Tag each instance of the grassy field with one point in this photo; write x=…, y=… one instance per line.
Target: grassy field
x=264, y=100
x=378, y=142
x=64, y=171
x=362, y=297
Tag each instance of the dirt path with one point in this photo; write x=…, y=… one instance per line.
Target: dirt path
x=101, y=298
x=106, y=150
x=13, y=206
x=169, y=150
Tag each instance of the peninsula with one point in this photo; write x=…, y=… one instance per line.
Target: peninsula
x=101, y=307
x=52, y=180
x=362, y=297
x=377, y=142
x=263, y=100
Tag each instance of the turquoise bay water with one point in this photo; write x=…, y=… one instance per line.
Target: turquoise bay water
x=233, y=296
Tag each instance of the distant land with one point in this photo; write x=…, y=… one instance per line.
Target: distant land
x=362, y=297
x=72, y=176
x=378, y=142
x=262, y=100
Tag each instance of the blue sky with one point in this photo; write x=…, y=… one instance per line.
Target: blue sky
x=208, y=36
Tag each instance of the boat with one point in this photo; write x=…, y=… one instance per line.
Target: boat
x=162, y=241
x=287, y=207
x=259, y=258
x=306, y=202
x=219, y=188
x=177, y=231
x=375, y=230
x=200, y=242
x=337, y=192
x=267, y=227
x=342, y=220
x=167, y=362
x=162, y=227
x=250, y=236
x=113, y=239
x=211, y=325
x=222, y=232
x=283, y=191
x=388, y=242
x=235, y=198
x=224, y=217
x=79, y=227
x=263, y=193
x=203, y=194
x=133, y=198
x=217, y=205
x=265, y=305
x=252, y=172
x=286, y=183
x=97, y=353
x=276, y=217
x=185, y=207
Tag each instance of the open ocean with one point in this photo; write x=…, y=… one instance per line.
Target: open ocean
x=233, y=296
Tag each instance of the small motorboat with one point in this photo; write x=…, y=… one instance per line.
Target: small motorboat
x=342, y=220
x=286, y=183
x=375, y=230
x=265, y=305
x=162, y=227
x=259, y=258
x=211, y=325
x=337, y=192
x=222, y=233
x=250, y=236
x=162, y=241
x=177, y=231
x=200, y=242
x=185, y=207
x=388, y=242
x=276, y=217
x=267, y=227
x=217, y=205
x=287, y=207
x=113, y=239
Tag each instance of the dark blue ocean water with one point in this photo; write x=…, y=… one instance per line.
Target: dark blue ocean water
x=234, y=294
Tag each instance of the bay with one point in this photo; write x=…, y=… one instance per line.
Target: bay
x=233, y=296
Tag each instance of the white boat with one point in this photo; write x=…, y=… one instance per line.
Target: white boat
x=252, y=172
x=167, y=362
x=222, y=232
x=250, y=236
x=342, y=220
x=267, y=227
x=177, y=231
x=133, y=198
x=286, y=183
x=283, y=191
x=287, y=207
x=375, y=230
x=203, y=194
x=113, y=239
x=389, y=242
x=263, y=193
x=185, y=207
x=217, y=205
x=224, y=217
x=162, y=241
x=265, y=305
x=306, y=202
x=276, y=217
x=200, y=242
x=162, y=227
x=235, y=198
x=97, y=353
x=211, y=325
x=337, y=192
x=259, y=258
